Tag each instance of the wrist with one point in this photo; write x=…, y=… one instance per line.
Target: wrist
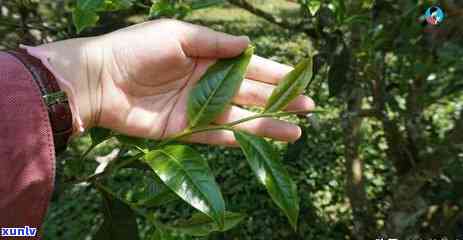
x=75, y=65
x=55, y=101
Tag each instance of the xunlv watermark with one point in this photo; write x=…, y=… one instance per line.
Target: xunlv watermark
x=18, y=232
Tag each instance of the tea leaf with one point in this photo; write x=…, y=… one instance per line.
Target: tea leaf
x=84, y=18
x=266, y=165
x=292, y=85
x=216, y=89
x=201, y=225
x=186, y=173
x=119, y=220
x=156, y=194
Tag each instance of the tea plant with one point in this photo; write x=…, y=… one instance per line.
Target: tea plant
x=184, y=173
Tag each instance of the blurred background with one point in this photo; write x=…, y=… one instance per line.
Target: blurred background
x=386, y=159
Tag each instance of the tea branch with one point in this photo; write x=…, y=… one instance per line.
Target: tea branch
x=229, y=126
x=184, y=134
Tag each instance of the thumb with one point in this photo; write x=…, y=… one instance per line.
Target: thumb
x=200, y=41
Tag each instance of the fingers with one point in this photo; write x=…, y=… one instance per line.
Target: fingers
x=199, y=41
x=253, y=93
x=218, y=137
x=264, y=127
x=265, y=70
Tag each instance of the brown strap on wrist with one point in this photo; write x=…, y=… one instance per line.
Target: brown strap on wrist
x=58, y=108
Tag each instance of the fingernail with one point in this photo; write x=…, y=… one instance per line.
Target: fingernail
x=245, y=38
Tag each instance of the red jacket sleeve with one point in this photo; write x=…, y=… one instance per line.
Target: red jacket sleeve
x=26, y=148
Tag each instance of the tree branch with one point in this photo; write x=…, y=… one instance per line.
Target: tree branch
x=300, y=27
x=261, y=13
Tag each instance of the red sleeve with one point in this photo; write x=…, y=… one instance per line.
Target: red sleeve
x=26, y=148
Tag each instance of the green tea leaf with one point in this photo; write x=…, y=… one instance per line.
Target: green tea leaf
x=161, y=8
x=83, y=19
x=186, y=173
x=313, y=6
x=140, y=143
x=99, y=135
x=201, y=225
x=292, y=85
x=340, y=10
x=86, y=15
x=119, y=220
x=156, y=193
x=160, y=199
x=266, y=165
x=216, y=89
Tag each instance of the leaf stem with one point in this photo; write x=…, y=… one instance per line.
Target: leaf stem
x=92, y=178
x=229, y=126
x=93, y=146
x=127, y=162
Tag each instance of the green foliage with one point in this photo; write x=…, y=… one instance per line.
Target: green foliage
x=270, y=172
x=128, y=141
x=83, y=19
x=156, y=194
x=86, y=12
x=166, y=8
x=201, y=225
x=216, y=89
x=290, y=87
x=119, y=220
x=187, y=174
x=312, y=6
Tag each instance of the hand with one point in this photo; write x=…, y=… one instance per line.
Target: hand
x=136, y=80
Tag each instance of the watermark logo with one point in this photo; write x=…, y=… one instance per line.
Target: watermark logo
x=19, y=232
x=434, y=15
